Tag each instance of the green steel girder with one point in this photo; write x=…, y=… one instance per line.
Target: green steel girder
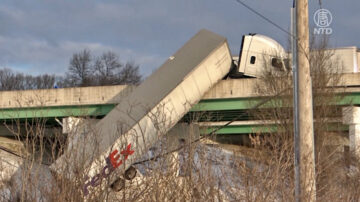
x=248, y=103
x=55, y=111
x=349, y=98
x=103, y=109
x=239, y=129
x=248, y=129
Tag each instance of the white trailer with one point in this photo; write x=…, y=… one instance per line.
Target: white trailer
x=148, y=112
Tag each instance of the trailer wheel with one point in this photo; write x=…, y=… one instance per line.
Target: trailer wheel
x=118, y=185
x=130, y=173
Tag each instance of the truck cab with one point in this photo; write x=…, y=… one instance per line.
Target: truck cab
x=258, y=54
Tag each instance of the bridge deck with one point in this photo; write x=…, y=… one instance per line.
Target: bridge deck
x=228, y=95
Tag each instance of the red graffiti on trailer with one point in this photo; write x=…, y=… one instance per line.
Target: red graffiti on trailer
x=113, y=161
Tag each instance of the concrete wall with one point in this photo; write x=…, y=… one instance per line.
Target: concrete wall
x=63, y=96
x=231, y=88
x=238, y=88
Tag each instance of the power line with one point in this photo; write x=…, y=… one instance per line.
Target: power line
x=270, y=21
x=263, y=17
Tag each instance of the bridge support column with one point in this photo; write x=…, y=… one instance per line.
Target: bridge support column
x=77, y=128
x=351, y=117
x=181, y=135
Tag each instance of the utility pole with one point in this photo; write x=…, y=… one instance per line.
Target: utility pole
x=304, y=106
x=296, y=100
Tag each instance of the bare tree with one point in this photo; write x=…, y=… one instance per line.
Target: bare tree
x=84, y=70
x=44, y=81
x=9, y=80
x=29, y=82
x=106, y=67
x=80, y=68
x=103, y=70
x=129, y=74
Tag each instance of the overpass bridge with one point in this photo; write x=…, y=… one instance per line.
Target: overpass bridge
x=225, y=101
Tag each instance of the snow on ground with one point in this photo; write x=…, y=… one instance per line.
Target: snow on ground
x=212, y=167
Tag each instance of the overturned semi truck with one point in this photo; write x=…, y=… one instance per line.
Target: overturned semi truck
x=109, y=147
x=148, y=112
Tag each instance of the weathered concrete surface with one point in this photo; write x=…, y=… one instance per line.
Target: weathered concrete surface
x=233, y=88
x=63, y=96
x=351, y=117
x=348, y=80
x=238, y=88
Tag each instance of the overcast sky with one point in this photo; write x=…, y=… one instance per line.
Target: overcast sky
x=39, y=36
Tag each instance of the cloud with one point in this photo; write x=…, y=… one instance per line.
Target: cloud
x=36, y=56
x=40, y=36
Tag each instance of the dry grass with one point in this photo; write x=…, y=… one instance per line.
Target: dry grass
x=336, y=171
